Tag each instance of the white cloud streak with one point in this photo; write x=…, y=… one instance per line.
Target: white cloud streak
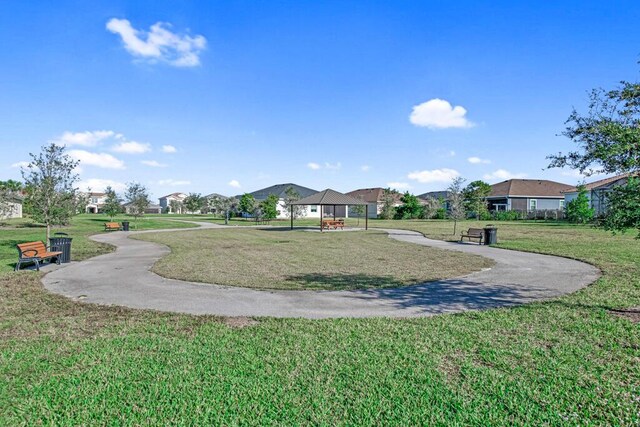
x=478, y=160
x=173, y=182
x=159, y=44
x=101, y=160
x=169, y=149
x=99, y=185
x=131, y=147
x=86, y=138
x=153, y=163
x=234, y=183
x=436, y=175
x=439, y=114
x=502, y=175
x=399, y=185
x=22, y=164
x=313, y=166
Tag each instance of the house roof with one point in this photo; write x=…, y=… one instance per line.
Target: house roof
x=212, y=195
x=174, y=195
x=602, y=182
x=280, y=191
x=372, y=195
x=96, y=194
x=435, y=195
x=528, y=188
x=329, y=197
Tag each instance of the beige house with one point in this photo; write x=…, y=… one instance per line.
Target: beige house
x=13, y=208
x=374, y=198
x=165, y=202
x=95, y=202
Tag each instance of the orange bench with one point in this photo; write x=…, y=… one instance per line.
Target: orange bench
x=112, y=226
x=35, y=252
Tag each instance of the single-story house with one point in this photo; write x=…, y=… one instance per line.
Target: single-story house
x=95, y=202
x=597, y=192
x=374, y=198
x=165, y=201
x=526, y=195
x=280, y=191
x=13, y=208
x=151, y=209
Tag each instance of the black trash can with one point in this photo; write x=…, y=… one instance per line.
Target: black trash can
x=125, y=225
x=490, y=235
x=62, y=244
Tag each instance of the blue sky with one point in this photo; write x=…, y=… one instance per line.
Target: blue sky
x=230, y=97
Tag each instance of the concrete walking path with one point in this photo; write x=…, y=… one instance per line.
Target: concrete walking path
x=124, y=278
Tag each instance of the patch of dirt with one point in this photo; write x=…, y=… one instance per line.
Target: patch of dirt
x=632, y=314
x=239, y=322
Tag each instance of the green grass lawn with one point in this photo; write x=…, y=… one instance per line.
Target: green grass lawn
x=563, y=362
x=23, y=230
x=276, y=258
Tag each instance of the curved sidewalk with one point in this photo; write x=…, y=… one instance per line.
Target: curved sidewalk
x=124, y=278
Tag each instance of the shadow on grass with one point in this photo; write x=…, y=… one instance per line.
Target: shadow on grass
x=432, y=297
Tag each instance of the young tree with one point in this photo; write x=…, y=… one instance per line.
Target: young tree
x=358, y=210
x=456, y=202
x=290, y=197
x=137, y=197
x=50, y=182
x=410, y=208
x=623, y=203
x=223, y=205
x=193, y=202
x=175, y=206
x=578, y=210
x=388, y=201
x=430, y=207
x=608, y=139
x=475, y=198
x=112, y=203
x=9, y=191
x=269, y=207
x=247, y=204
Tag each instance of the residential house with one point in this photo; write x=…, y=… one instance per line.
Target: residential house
x=151, y=209
x=13, y=208
x=165, y=202
x=280, y=190
x=374, y=198
x=526, y=195
x=597, y=191
x=95, y=202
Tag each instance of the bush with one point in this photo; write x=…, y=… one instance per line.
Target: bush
x=441, y=213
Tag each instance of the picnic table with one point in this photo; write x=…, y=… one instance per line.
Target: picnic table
x=328, y=224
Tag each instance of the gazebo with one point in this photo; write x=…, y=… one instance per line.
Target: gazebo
x=333, y=198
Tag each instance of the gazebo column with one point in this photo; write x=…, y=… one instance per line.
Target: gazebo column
x=321, y=216
x=292, y=217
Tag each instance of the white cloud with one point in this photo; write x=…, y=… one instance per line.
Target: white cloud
x=87, y=138
x=326, y=165
x=131, y=147
x=335, y=166
x=173, y=182
x=478, y=160
x=169, y=149
x=20, y=164
x=153, y=164
x=436, y=175
x=502, y=175
x=159, y=44
x=101, y=160
x=97, y=184
x=365, y=168
x=234, y=183
x=399, y=185
x=313, y=166
x=439, y=114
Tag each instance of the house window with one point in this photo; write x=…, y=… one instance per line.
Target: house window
x=314, y=208
x=561, y=204
x=94, y=200
x=533, y=204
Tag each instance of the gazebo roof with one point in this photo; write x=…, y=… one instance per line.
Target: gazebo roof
x=329, y=197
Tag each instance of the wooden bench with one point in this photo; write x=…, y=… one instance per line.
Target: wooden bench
x=35, y=252
x=112, y=226
x=473, y=233
x=328, y=224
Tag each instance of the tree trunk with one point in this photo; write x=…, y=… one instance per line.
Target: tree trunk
x=46, y=242
x=455, y=224
x=226, y=218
